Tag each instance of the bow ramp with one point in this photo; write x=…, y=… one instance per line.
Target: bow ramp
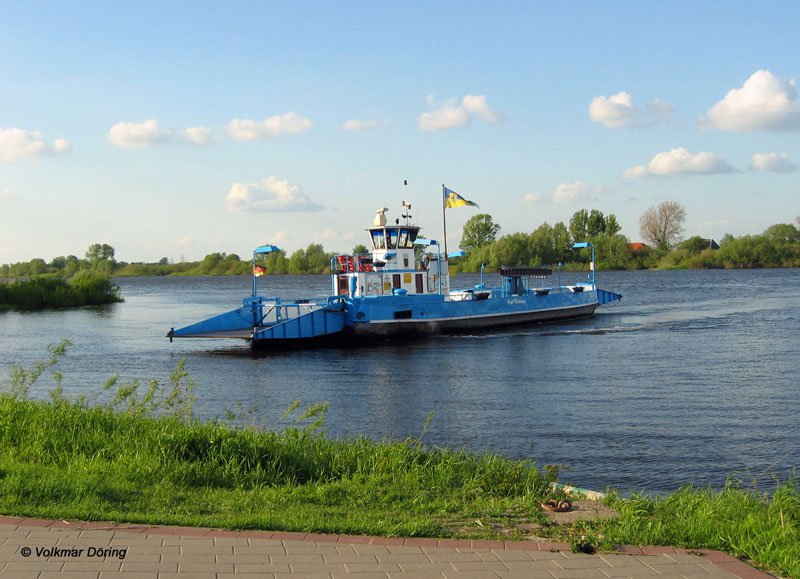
x=236, y=323
x=606, y=297
x=311, y=325
x=271, y=321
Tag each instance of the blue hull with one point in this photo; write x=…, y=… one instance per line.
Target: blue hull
x=432, y=314
x=343, y=320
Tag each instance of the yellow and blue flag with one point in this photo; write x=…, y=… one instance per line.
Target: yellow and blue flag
x=453, y=199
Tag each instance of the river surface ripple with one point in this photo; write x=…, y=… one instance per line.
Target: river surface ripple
x=691, y=378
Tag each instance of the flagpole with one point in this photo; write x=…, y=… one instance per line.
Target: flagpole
x=444, y=220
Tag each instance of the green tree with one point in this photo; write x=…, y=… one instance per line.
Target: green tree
x=101, y=257
x=586, y=225
x=212, y=264
x=613, y=252
x=38, y=266
x=542, y=245
x=360, y=248
x=511, y=250
x=694, y=244
x=297, y=262
x=783, y=233
x=595, y=224
x=276, y=262
x=99, y=252
x=579, y=225
x=317, y=261
x=612, y=226
x=72, y=265
x=561, y=242
x=479, y=230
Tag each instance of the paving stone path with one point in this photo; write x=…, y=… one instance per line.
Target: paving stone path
x=43, y=549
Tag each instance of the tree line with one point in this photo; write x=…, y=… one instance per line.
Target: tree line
x=661, y=226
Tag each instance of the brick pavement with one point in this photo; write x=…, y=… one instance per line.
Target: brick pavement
x=43, y=549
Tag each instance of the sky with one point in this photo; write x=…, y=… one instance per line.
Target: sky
x=177, y=129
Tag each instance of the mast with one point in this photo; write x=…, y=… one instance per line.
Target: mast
x=406, y=205
x=444, y=221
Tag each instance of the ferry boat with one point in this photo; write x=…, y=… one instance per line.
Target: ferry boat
x=400, y=288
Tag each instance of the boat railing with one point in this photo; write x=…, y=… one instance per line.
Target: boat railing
x=273, y=311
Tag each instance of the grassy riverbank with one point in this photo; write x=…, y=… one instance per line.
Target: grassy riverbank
x=85, y=288
x=140, y=457
x=68, y=460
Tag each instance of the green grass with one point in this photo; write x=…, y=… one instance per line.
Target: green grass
x=763, y=527
x=141, y=457
x=69, y=460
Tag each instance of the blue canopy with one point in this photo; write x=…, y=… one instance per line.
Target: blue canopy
x=265, y=249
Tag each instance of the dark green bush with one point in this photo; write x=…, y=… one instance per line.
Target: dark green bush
x=83, y=289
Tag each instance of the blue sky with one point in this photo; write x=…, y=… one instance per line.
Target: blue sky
x=174, y=129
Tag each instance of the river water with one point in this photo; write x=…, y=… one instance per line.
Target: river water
x=691, y=378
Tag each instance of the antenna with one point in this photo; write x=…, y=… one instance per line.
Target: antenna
x=406, y=205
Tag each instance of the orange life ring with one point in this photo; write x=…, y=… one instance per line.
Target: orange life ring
x=345, y=263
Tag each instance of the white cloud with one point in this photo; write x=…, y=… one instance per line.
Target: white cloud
x=532, y=198
x=361, y=125
x=576, y=191
x=765, y=102
x=452, y=115
x=269, y=194
x=185, y=241
x=6, y=193
x=199, y=136
x=448, y=115
x=138, y=135
x=619, y=111
x=150, y=134
x=61, y=147
x=614, y=111
x=477, y=105
x=249, y=130
x=680, y=162
x=16, y=144
x=772, y=162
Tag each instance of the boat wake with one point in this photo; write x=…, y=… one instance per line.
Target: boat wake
x=545, y=333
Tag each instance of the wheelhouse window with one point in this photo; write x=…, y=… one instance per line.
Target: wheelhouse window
x=408, y=235
x=392, y=239
x=378, y=239
x=402, y=242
